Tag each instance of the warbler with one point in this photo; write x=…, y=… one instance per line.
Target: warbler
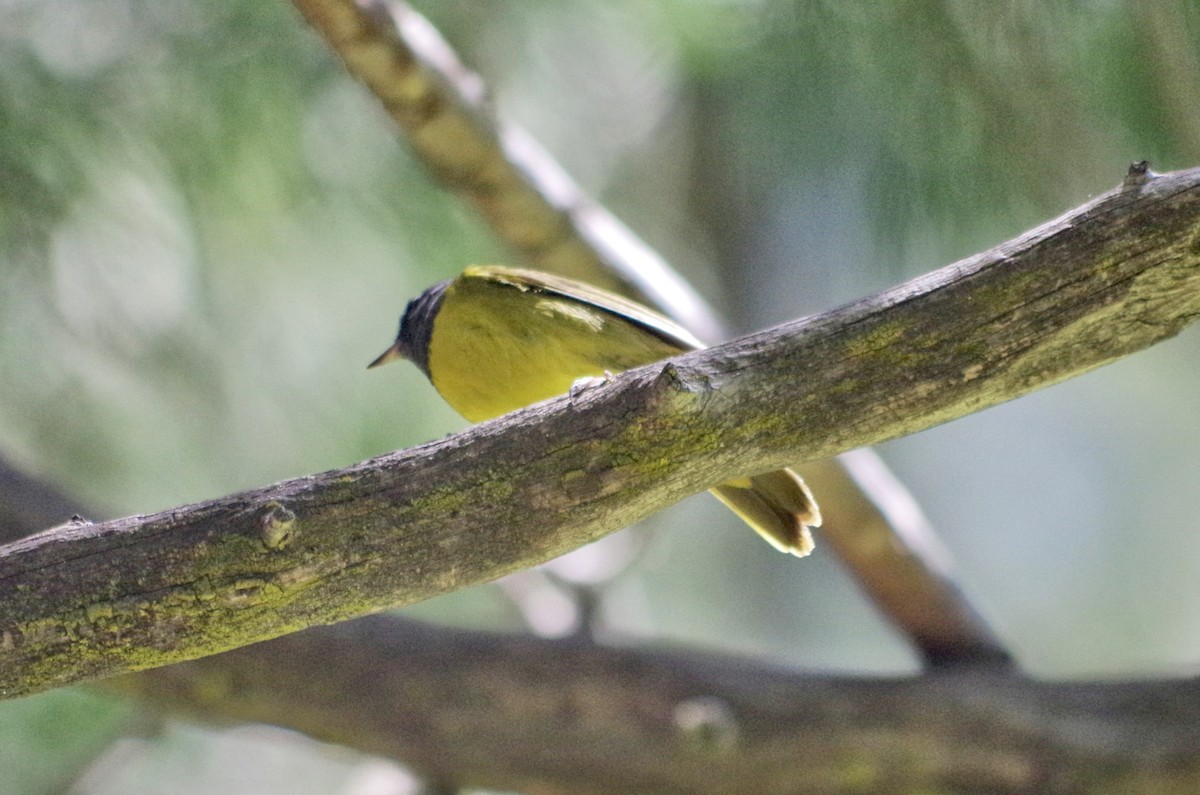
x=495, y=339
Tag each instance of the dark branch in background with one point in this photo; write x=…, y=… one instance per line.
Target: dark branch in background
x=536, y=208
x=28, y=504
x=1104, y=281
x=503, y=712
x=533, y=715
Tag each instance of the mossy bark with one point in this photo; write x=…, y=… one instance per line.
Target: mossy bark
x=1108, y=279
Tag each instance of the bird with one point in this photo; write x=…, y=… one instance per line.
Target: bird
x=496, y=338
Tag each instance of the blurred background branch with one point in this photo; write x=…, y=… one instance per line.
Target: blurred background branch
x=28, y=505
x=529, y=201
x=535, y=715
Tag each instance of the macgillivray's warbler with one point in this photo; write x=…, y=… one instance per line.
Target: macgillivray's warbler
x=496, y=339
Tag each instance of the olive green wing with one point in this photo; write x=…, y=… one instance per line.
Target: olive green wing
x=594, y=297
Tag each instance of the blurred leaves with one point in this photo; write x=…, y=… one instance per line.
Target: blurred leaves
x=190, y=206
x=48, y=740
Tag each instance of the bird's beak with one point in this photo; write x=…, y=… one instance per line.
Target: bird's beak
x=390, y=355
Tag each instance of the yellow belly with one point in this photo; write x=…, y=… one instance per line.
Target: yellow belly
x=495, y=349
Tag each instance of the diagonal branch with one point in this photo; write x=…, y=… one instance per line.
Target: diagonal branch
x=530, y=202
x=1104, y=281
x=884, y=539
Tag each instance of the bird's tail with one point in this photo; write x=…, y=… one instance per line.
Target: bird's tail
x=778, y=505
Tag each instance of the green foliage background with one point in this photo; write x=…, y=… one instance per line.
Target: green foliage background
x=207, y=229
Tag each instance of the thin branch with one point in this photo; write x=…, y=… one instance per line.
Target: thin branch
x=530, y=202
x=535, y=207
x=911, y=582
x=534, y=715
x=1104, y=281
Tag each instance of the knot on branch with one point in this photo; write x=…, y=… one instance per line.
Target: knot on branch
x=1139, y=174
x=276, y=524
x=684, y=380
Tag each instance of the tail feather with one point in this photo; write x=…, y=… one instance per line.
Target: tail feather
x=778, y=505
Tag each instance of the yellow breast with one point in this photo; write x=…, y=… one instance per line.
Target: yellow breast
x=496, y=348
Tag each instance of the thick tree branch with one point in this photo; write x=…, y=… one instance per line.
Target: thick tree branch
x=535, y=207
x=532, y=715
x=446, y=702
x=1111, y=278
